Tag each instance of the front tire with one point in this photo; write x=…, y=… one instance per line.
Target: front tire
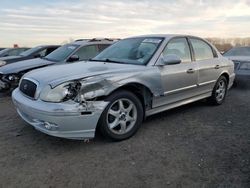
x=122, y=117
x=219, y=91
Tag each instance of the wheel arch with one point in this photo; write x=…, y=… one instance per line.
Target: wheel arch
x=226, y=74
x=143, y=93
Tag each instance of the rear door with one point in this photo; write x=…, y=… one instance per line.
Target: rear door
x=209, y=66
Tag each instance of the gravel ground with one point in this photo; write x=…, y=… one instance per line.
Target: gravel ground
x=196, y=145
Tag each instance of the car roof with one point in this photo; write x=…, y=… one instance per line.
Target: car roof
x=47, y=46
x=95, y=41
x=167, y=36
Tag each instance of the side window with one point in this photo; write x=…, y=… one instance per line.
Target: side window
x=103, y=46
x=179, y=47
x=49, y=50
x=41, y=53
x=202, y=50
x=87, y=52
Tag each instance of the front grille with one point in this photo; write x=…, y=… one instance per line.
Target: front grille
x=28, y=88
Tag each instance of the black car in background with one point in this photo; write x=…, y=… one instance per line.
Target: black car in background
x=5, y=52
x=80, y=50
x=39, y=51
x=241, y=58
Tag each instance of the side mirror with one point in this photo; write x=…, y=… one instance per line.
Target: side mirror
x=170, y=59
x=74, y=58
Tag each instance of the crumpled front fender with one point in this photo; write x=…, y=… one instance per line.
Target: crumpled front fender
x=105, y=84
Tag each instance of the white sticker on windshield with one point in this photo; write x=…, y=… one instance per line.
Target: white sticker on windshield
x=156, y=41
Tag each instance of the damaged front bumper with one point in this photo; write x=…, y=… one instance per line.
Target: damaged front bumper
x=69, y=120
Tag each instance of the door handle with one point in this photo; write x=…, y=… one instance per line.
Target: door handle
x=217, y=67
x=190, y=71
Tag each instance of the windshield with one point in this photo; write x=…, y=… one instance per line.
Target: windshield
x=136, y=51
x=242, y=51
x=62, y=53
x=30, y=51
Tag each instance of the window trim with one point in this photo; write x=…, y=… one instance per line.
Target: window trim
x=215, y=54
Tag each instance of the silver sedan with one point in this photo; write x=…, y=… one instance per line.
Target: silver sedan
x=130, y=80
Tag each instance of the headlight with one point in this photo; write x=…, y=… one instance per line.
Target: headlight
x=245, y=66
x=63, y=92
x=2, y=63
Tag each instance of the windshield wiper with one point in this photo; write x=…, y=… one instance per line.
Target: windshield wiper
x=107, y=60
x=94, y=60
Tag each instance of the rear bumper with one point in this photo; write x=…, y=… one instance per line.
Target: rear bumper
x=67, y=120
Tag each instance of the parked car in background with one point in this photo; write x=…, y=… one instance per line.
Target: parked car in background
x=12, y=51
x=39, y=51
x=241, y=58
x=132, y=79
x=79, y=50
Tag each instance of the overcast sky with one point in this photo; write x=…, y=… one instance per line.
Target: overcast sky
x=30, y=22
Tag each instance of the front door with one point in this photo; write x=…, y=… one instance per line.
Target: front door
x=179, y=80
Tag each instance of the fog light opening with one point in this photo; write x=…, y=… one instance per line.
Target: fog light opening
x=50, y=126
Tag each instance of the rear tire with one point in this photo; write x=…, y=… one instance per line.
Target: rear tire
x=122, y=117
x=219, y=91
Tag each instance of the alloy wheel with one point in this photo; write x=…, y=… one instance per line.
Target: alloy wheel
x=220, y=90
x=121, y=116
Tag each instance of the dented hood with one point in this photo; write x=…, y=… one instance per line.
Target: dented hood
x=55, y=75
